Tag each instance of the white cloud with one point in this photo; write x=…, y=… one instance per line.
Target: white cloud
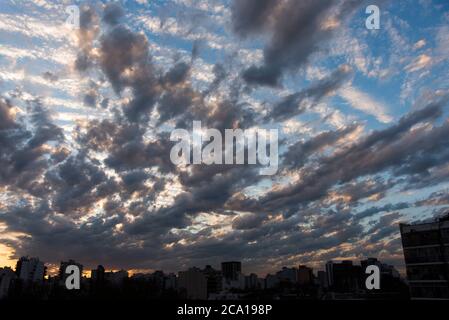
x=419, y=63
x=420, y=44
x=362, y=101
x=36, y=28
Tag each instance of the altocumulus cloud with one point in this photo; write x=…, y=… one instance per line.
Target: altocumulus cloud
x=107, y=192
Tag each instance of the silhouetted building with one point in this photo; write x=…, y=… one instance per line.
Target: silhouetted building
x=117, y=278
x=194, y=282
x=322, y=279
x=288, y=275
x=30, y=269
x=271, y=281
x=214, y=280
x=97, y=280
x=232, y=275
x=62, y=270
x=252, y=282
x=170, y=281
x=158, y=279
x=391, y=284
x=426, y=253
x=305, y=275
x=343, y=276
x=231, y=270
x=7, y=275
x=97, y=275
x=385, y=269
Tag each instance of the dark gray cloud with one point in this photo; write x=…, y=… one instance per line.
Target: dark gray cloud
x=206, y=189
x=381, y=150
x=50, y=76
x=126, y=62
x=296, y=29
x=384, y=227
x=177, y=74
x=250, y=221
x=386, y=208
x=75, y=182
x=92, y=95
x=90, y=99
x=175, y=101
x=87, y=32
x=438, y=198
x=298, y=153
x=219, y=75
x=23, y=155
x=297, y=103
x=357, y=190
x=112, y=13
x=250, y=16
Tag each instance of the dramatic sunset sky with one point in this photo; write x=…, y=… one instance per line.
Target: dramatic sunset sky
x=85, y=118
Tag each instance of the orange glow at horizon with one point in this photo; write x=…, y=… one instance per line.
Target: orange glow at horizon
x=5, y=257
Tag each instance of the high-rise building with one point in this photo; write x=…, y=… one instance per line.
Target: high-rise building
x=343, y=276
x=305, y=275
x=426, y=253
x=252, y=282
x=6, y=276
x=231, y=270
x=214, y=280
x=194, y=282
x=30, y=269
x=391, y=284
x=232, y=275
x=385, y=269
x=97, y=275
x=62, y=270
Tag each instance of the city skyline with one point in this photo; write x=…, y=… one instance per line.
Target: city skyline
x=87, y=271
x=425, y=248
x=87, y=107
x=340, y=280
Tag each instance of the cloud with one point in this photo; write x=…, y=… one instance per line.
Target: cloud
x=386, y=208
x=361, y=101
x=113, y=12
x=107, y=191
x=384, y=227
x=250, y=16
x=421, y=62
x=381, y=150
x=50, y=76
x=248, y=221
x=125, y=60
x=419, y=44
x=435, y=199
x=297, y=103
x=7, y=119
x=23, y=150
x=298, y=153
x=296, y=29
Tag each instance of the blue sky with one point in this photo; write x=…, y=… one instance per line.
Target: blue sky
x=351, y=85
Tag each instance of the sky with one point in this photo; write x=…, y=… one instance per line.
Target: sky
x=86, y=115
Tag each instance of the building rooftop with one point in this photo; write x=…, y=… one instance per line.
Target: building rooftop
x=440, y=222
